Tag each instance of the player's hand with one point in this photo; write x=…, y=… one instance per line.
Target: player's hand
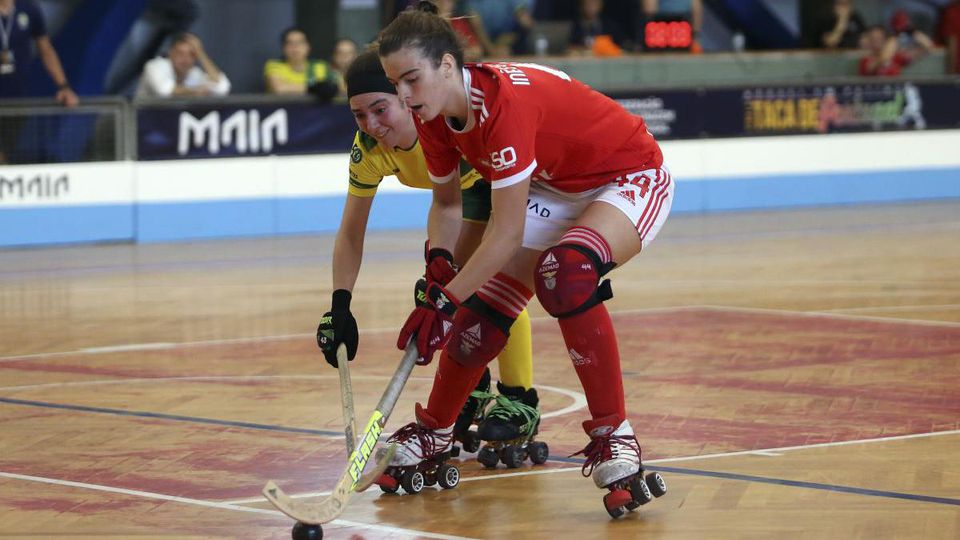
x=420, y=293
x=440, y=267
x=430, y=324
x=338, y=326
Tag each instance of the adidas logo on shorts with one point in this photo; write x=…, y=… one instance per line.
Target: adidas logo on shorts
x=629, y=196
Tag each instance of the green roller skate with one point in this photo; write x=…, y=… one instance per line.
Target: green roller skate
x=509, y=428
x=473, y=413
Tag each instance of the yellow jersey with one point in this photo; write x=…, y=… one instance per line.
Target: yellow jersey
x=321, y=72
x=370, y=162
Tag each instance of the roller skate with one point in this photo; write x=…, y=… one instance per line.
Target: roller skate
x=473, y=413
x=613, y=459
x=423, y=449
x=509, y=428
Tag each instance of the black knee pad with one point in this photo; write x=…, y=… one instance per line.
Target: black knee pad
x=567, y=280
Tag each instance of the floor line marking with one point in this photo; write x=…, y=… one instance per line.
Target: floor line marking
x=218, y=505
x=132, y=347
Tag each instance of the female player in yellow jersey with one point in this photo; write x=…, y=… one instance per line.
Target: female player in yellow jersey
x=387, y=144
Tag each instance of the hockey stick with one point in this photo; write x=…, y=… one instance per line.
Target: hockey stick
x=346, y=398
x=330, y=508
x=350, y=424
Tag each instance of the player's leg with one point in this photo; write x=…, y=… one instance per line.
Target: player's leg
x=516, y=358
x=611, y=230
x=479, y=333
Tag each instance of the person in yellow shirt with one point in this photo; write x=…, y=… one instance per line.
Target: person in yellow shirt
x=387, y=144
x=296, y=73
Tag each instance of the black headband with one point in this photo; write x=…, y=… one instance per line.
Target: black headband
x=362, y=81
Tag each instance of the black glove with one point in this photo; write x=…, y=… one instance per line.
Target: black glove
x=338, y=326
x=420, y=293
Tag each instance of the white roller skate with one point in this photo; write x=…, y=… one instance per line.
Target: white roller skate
x=420, y=459
x=613, y=459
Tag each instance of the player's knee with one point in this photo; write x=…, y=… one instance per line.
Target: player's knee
x=567, y=280
x=479, y=333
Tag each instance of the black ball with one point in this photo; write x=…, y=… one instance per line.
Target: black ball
x=305, y=531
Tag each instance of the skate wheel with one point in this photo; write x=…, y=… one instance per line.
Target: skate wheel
x=388, y=484
x=539, y=452
x=470, y=441
x=488, y=457
x=615, y=501
x=412, y=482
x=640, y=493
x=512, y=456
x=430, y=478
x=658, y=488
x=448, y=476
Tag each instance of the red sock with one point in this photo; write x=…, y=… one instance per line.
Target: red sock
x=451, y=386
x=592, y=345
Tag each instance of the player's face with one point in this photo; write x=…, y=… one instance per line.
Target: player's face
x=383, y=117
x=424, y=88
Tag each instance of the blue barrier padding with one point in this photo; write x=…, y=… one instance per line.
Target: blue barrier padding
x=66, y=224
x=158, y=222
x=322, y=214
x=151, y=222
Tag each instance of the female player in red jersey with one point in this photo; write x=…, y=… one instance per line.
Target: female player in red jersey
x=578, y=187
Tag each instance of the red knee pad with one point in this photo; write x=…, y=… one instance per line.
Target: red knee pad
x=567, y=280
x=479, y=333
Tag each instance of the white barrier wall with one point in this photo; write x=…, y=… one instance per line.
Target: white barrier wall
x=177, y=200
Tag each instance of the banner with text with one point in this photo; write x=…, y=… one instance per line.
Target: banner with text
x=257, y=129
x=795, y=110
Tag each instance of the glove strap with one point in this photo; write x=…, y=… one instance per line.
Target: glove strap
x=341, y=300
x=439, y=252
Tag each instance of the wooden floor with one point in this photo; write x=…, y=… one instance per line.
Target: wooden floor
x=792, y=374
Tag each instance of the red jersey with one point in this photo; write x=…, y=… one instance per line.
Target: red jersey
x=531, y=120
x=870, y=67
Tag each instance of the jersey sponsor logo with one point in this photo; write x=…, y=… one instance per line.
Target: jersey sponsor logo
x=356, y=155
x=503, y=159
x=628, y=196
x=548, y=271
x=577, y=358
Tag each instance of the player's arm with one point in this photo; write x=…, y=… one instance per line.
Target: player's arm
x=500, y=242
x=51, y=61
x=446, y=213
x=348, y=248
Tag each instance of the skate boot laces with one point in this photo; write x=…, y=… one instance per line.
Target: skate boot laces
x=508, y=409
x=608, y=447
x=428, y=442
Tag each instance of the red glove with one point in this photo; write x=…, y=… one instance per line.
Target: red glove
x=430, y=323
x=440, y=267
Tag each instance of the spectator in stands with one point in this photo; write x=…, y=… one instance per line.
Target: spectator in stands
x=689, y=10
x=344, y=53
x=466, y=27
x=888, y=54
x=502, y=25
x=177, y=74
x=589, y=26
x=948, y=34
x=161, y=20
x=296, y=73
x=842, y=27
x=22, y=22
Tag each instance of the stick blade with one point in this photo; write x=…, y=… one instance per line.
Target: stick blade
x=318, y=513
x=373, y=475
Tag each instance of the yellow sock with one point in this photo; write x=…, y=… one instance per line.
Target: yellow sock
x=516, y=358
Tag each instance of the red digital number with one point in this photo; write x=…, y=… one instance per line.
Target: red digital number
x=668, y=35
